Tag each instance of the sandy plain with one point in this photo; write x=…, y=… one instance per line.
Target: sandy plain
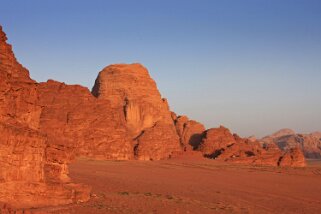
x=186, y=185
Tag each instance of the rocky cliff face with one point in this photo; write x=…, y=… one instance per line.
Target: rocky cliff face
x=76, y=121
x=29, y=175
x=129, y=88
x=18, y=93
x=310, y=144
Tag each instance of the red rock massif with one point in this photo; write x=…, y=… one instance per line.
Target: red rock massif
x=43, y=126
x=29, y=174
x=130, y=89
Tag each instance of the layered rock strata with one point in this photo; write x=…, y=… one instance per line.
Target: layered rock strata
x=129, y=88
x=79, y=123
x=29, y=174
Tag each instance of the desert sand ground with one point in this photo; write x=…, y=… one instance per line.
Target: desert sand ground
x=195, y=186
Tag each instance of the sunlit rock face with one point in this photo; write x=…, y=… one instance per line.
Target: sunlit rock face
x=220, y=144
x=293, y=157
x=129, y=87
x=18, y=93
x=215, y=139
x=29, y=176
x=78, y=122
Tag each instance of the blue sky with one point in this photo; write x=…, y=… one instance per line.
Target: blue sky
x=251, y=65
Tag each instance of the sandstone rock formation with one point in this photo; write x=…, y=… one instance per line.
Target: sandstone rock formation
x=18, y=93
x=43, y=126
x=293, y=157
x=215, y=140
x=29, y=176
x=189, y=131
x=76, y=121
x=129, y=88
x=310, y=144
x=220, y=144
x=250, y=152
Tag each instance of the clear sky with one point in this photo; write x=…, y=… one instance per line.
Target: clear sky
x=251, y=65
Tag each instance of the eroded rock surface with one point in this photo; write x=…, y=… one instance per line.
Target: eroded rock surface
x=189, y=131
x=220, y=144
x=129, y=88
x=29, y=176
x=216, y=139
x=18, y=93
x=250, y=152
x=78, y=122
x=293, y=157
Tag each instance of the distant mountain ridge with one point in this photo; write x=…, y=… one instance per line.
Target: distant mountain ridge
x=286, y=139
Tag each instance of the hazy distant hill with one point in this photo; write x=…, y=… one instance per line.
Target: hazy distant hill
x=287, y=138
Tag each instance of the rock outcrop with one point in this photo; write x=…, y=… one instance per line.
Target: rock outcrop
x=18, y=93
x=79, y=123
x=293, y=158
x=29, y=175
x=250, y=152
x=310, y=144
x=220, y=144
x=215, y=140
x=129, y=88
x=189, y=131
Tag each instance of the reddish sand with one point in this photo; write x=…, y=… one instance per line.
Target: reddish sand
x=198, y=186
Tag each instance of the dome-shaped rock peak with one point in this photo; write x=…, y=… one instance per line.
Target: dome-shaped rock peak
x=129, y=87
